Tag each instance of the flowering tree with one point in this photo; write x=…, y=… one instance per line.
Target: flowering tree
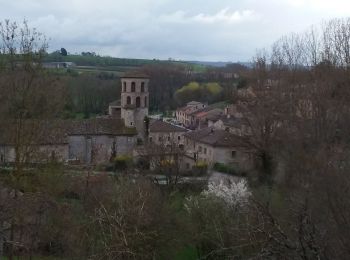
x=234, y=194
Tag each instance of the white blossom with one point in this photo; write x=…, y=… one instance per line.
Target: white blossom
x=234, y=194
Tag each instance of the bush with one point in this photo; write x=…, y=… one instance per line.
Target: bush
x=221, y=167
x=122, y=162
x=200, y=168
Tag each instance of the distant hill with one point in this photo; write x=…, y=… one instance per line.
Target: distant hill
x=107, y=61
x=220, y=64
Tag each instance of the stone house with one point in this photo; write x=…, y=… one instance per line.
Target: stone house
x=212, y=146
x=183, y=114
x=199, y=119
x=165, y=147
x=237, y=126
x=162, y=133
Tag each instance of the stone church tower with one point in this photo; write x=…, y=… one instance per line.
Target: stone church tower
x=135, y=100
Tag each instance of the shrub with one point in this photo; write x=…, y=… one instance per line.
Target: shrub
x=221, y=167
x=200, y=167
x=122, y=162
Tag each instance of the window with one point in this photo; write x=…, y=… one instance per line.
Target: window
x=128, y=100
x=160, y=138
x=181, y=146
x=179, y=138
x=187, y=166
x=205, y=150
x=200, y=148
x=53, y=156
x=145, y=101
x=133, y=86
x=138, y=102
x=131, y=123
x=169, y=138
x=150, y=139
x=233, y=154
x=124, y=86
x=143, y=87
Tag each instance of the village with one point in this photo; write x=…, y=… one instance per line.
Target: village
x=198, y=136
x=152, y=154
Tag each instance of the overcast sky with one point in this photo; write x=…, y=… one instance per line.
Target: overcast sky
x=211, y=30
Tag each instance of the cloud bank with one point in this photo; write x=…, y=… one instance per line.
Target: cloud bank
x=223, y=30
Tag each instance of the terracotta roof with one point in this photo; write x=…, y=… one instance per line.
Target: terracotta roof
x=216, y=112
x=57, y=131
x=186, y=110
x=214, y=137
x=135, y=74
x=206, y=109
x=35, y=132
x=161, y=126
x=99, y=126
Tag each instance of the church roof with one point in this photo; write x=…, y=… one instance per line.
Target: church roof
x=49, y=132
x=135, y=74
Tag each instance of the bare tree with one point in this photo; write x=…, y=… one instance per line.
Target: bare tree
x=28, y=96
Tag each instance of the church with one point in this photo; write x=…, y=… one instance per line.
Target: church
x=89, y=141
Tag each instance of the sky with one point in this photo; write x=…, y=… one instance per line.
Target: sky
x=206, y=30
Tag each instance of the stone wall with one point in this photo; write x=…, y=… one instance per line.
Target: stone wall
x=98, y=149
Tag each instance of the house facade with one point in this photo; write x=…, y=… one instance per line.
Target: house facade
x=212, y=146
x=184, y=114
x=162, y=133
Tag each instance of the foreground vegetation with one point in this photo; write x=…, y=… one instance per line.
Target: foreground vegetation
x=295, y=205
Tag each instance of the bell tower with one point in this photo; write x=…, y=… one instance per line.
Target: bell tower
x=134, y=100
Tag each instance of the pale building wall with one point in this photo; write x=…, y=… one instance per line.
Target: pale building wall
x=58, y=152
x=243, y=130
x=39, y=153
x=7, y=154
x=236, y=157
x=97, y=149
x=161, y=138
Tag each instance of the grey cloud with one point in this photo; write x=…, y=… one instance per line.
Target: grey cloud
x=181, y=29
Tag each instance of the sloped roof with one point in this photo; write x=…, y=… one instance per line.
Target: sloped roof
x=206, y=110
x=215, y=137
x=234, y=121
x=99, y=126
x=186, y=109
x=135, y=75
x=48, y=132
x=161, y=126
x=209, y=113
